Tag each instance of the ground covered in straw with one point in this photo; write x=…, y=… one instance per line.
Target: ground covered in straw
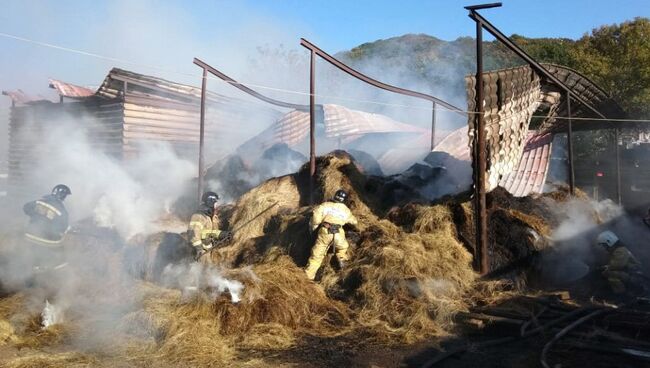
x=409, y=274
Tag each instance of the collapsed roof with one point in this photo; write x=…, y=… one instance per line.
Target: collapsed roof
x=513, y=97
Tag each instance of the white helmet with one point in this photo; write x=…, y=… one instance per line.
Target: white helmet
x=607, y=239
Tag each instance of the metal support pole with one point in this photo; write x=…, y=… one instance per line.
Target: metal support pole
x=202, y=132
x=572, y=178
x=312, y=125
x=433, y=125
x=618, y=166
x=480, y=205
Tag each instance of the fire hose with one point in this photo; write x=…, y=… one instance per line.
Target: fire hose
x=217, y=242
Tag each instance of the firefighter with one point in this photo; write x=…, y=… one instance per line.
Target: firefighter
x=327, y=222
x=48, y=224
x=623, y=270
x=204, y=226
x=43, y=252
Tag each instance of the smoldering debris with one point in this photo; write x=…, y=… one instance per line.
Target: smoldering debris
x=409, y=275
x=236, y=174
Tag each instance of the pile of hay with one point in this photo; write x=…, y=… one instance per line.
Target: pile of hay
x=401, y=284
x=409, y=273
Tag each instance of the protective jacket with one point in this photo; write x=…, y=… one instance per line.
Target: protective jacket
x=327, y=220
x=48, y=221
x=332, y=213
x=204, y=228
x=623, y=268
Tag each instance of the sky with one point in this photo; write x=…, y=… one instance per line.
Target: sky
x=168, y=34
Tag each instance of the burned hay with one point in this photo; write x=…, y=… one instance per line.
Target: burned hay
x=54, y=360
x=282, y=296
x=406, y=286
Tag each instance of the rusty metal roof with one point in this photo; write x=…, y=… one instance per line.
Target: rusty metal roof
x=339, y=122
x=70, y=90
x=530, y=174
x=456, y=144
x=146, y=85
x=555, y=101
x=19, y=97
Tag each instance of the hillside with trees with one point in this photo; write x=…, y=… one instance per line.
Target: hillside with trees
x=616, y=57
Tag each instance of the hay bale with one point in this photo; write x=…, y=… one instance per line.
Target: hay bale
x=267, y=336
x=274, y=195
x=419, y=218
x=7, y=333
x=282, y=295
x=53, y=360
x=406, y=286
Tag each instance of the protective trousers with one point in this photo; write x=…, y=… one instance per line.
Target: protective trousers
x=318, y=251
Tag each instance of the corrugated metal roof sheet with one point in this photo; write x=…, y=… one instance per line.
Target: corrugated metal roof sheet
x=70, y=90
x=586, y=89
x=19, y=97
x=456, y=144
x=530, y=174
x=511, y=97
x=342, y=122
x=339, y=123
x=120, y=121
x=149, y=86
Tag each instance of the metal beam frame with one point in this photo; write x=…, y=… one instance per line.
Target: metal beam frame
x=362, y=77
x=527, y=58
x=481, y=246
x=480, y=165
x=251, y=92
x=207, y=68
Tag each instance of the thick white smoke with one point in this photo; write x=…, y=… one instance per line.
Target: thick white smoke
x=129, y=196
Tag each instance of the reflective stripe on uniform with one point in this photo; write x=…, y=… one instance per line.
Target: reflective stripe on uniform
x=42, y=241
x=49, y=206
x=206, y=233
x=197, y=243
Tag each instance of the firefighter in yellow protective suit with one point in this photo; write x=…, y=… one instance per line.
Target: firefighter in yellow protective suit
x=204, y=226
x=327, y=221
x=623, y=271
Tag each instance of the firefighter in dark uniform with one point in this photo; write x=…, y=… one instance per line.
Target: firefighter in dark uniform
x=623, y=270
x=48, y=224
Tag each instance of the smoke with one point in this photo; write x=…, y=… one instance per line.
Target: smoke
x=196, y=276
x=575, y=252
x=128, y=196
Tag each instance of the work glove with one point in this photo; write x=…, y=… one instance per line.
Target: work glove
x=198, y=253
x=224, y=236
x=353, y=237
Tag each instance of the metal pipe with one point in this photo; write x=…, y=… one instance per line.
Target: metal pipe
x=312, y=125
x=330, y=59
x=251, y=92
x=564, y=331
x=570, y=145
x=480, y=206
x=433, y=125
x=202, y=132
x=483, y=6
x=534, y=64
x=618, y=166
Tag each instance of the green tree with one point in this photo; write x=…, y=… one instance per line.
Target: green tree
x=617, y=57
